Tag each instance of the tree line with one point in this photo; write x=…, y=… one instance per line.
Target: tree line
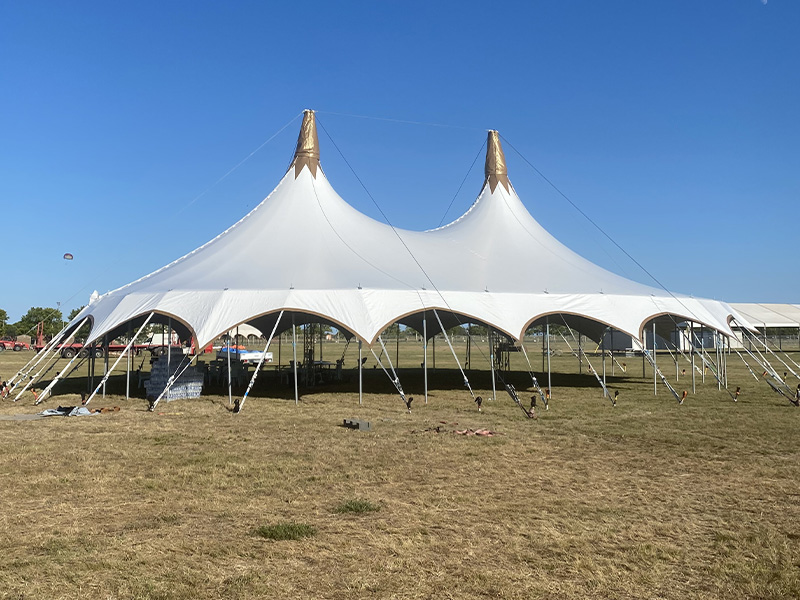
x=52, y=319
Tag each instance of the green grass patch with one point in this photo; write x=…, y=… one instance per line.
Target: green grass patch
x=356, y=506
x=286, y=531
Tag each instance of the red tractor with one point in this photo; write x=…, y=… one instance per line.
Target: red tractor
x=14, y=345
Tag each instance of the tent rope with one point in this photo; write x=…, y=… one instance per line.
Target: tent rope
x=239, y=404
x=580, y=351
x=452, y=350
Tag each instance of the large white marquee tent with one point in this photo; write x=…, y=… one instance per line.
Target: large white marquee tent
x=495, y=265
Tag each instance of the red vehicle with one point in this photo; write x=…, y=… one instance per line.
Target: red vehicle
x=13, y=345
x=70, y=350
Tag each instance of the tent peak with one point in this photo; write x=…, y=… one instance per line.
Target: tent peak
x=495, y=169
x=307, y=152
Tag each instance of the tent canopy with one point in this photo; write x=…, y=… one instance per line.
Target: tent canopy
x=494, y=265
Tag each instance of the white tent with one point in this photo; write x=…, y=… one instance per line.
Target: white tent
x=494, y=265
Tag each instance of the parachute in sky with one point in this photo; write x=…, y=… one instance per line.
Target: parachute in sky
x=68, y=256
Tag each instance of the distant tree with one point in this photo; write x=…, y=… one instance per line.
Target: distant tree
x=478, y=330
x=391, y=331
x=74, y=312
x=51, y=317
x=3, y=321
x=83, y=332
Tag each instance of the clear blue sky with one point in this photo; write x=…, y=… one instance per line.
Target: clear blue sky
x=674, y=125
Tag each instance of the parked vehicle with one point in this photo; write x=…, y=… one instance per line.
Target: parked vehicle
x=76, y=348
x=13, y=345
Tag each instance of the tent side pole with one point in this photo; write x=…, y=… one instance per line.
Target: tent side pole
x=128, y=368
x=491, y=362
x=424, y=354
x=543, y=351
x=360, y=379
x=693, y=351
x=703, y=351
x=230, y=391
x=294, y=356
x=655, y=368
x=105, y=363
x=677, y=350
x=549, y=374
x=611, y=333
x=603, y=350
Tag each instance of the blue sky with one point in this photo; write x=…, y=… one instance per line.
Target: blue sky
x=674, y=125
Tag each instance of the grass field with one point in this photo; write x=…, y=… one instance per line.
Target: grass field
x=646, y=500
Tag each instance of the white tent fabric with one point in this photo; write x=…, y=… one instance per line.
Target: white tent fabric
x=770, y=315
x=494, y=265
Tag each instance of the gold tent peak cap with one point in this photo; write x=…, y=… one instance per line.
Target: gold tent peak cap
x=307, y=152
x=495, y=170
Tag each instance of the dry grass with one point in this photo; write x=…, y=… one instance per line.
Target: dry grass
x=648, y=500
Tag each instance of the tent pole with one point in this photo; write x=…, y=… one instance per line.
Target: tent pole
x=105, y=362
x=612, y=352
x=230, y=392
x=718, y=344
x=128, y=368
x=603, y=350
x=360, y=380
x=397, y=348
x=644, y=347
x=169, y=345
x=549, y=375
x=692, y=350
x=434, y=352
x=491, y=362
x=703, y=350
x=655, y=368
x=580, y=362
x=91, y=366
x=425, y=354
x=543, y=350
x=294, y=355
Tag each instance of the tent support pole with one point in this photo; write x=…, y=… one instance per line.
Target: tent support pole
x=603, y=350
x=105, y=363
x=703, y=350
x=91, y=365
x=230, y=391
x=294, y=356
x=655, y=368
x=612, y=351
x=169, y=346
x=677, y=350
x=491, y=362
x=128, y=368
x=425, y=354
x=549, y=374
x=720, y=359
x=543, y=350
x=360, y=380
x=692, y=350
x=580, y=353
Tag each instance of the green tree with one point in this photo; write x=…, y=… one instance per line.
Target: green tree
x=83, y=332
x=3, y=321
x=51, y=317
